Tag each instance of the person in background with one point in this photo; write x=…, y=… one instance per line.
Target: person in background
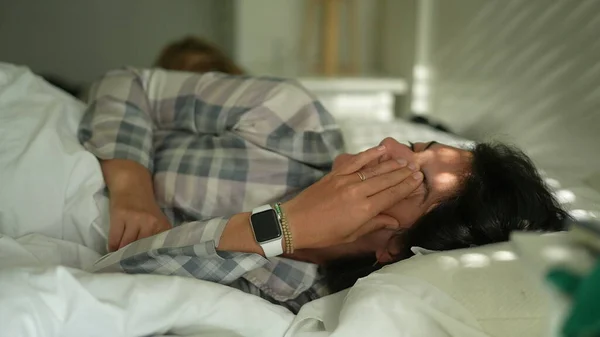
x=194, y=54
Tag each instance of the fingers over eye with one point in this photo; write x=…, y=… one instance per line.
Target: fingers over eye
x=386, y=180
x=360, y=160
x=406, y=182
x=384, y=167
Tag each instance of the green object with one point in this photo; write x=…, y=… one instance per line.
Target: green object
x=278, y=209
x=584, y=318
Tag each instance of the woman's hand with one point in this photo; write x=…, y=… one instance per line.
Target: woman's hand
x=341, y=207
x=134, y=213
x=133, y=216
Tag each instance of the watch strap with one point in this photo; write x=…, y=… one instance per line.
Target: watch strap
x=262, y=209
x=272, y=248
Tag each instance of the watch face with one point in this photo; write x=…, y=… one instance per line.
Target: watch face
x=265, y=225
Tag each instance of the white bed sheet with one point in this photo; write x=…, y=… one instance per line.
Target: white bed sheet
x=386, y=305
x=47, y=178
x=41, y=299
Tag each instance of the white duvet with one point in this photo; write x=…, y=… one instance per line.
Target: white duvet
x=52, y=229
x=38, y=298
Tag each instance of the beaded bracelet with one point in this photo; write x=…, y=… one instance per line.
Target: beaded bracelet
x=285, y=228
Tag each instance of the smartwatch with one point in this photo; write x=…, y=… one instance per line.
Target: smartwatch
x=266, y=228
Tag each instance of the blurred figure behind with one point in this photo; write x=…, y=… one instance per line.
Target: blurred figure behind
x=196, y=55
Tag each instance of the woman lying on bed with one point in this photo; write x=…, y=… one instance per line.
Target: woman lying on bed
x=202, y=152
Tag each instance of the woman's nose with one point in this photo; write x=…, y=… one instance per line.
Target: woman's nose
x=398, y=150
x=389, y=142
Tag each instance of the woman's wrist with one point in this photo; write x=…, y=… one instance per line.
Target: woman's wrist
x=127, y=177
x=237, y=236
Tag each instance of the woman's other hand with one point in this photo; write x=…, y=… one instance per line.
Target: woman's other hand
x=134, y=216
x=341, y=207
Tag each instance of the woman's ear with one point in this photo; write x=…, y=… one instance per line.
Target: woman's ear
x=430, y=208
x=383, y=256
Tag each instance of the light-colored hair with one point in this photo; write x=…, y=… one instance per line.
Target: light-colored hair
x=196, y=55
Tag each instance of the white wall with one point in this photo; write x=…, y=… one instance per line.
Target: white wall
x=268, y=36
x=396, y=47
x=526, y=72
x=80, y=40
x=268, y=39
x=397, y=36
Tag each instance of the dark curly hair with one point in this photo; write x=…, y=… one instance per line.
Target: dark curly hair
x=501, y=193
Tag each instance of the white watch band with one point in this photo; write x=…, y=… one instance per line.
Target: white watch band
x=261, y=209
x=272, y=247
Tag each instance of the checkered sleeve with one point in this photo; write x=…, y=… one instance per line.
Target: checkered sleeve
x=276, y=114
x=316, y=291
x=118, y=123
x=291, y=121
x=188, y=250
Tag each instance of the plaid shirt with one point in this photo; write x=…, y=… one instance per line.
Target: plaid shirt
x=216, y=145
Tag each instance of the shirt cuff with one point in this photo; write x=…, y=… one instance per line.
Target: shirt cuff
x=207, y=233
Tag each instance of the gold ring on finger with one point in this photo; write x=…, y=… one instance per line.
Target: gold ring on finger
x=361, y=176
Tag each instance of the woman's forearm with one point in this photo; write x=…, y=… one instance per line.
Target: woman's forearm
x=126, y=176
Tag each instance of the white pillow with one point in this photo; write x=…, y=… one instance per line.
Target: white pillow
x=47, y=179
x=474, y=292
x=488, y=281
